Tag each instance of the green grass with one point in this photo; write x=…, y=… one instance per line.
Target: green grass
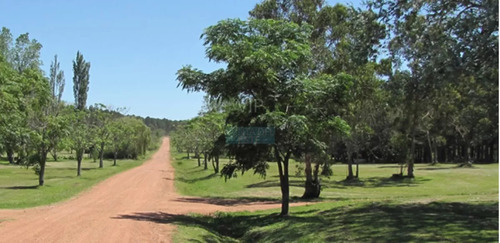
x=19, y=186
x=443, y=203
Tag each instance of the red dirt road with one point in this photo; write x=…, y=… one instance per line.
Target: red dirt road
x=134, y=206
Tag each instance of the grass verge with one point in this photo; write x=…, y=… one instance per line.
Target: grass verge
x=19, y=186
x=443, y=203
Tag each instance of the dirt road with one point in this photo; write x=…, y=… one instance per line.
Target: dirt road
x=133, y=206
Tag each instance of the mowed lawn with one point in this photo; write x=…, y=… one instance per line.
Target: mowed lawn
x=443, y=203
x=19, y=186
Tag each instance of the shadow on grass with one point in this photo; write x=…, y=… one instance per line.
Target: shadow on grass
x=368, y=222
x=275, y=183
x=190, y=181
x=19, y=187
x=373, y=182
x=229, y=201
x=446, y=168
x=370, y=182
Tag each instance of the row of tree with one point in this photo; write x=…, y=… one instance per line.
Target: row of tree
x=405, y=81
x=35, y=122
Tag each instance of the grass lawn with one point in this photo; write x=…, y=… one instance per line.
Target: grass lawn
x=443, y=203
x=19, y=186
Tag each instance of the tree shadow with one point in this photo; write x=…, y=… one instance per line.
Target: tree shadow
x=228, y=201
x=436, y=221
x=19, y=187
x=389, y=167
x=190, y=181
x=273, y=183
x=446, y=168
x=374, y=182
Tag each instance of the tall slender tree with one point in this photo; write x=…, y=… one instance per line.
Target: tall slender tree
x=80, y=81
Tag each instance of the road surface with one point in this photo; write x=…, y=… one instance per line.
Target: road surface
x=138, y=205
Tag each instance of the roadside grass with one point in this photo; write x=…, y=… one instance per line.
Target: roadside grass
x=443, y=203
x=442, y=182
x=347, y=222
x=19, y=186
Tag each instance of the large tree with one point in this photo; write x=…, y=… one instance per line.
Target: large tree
x=344, y=40
x=267, y=63
x=80, y=81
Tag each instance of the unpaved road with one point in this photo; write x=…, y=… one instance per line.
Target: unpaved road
x=138, y=205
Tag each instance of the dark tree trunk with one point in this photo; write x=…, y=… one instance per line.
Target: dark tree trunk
x=350, y=173
x=284, y=182
x=101, y=156
x=205, y=161
x=188, y=154
x=357, y=170
x=216, y=164
x=114, y=157
x=79, y=157
x=312, y=186
x=10, y=156
x=285, y=187
x=411, y=159
x=42, y=162
x=197, y=154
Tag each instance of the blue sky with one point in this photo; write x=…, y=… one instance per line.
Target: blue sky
x=134, y=47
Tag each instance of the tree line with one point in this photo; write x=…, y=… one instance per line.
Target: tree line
x=401, y=82
x=36, y=124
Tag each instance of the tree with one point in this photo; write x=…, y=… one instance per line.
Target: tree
x=438, y=45
x=344, y=40
x=26, y=53
x=56, y=82
x=81, y=137
x=13, y=118
x=129, y=136
x=5, y=43
x=101, y=119
x=80, y=81
x=266, y=63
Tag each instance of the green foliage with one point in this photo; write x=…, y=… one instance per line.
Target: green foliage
x=80, y=81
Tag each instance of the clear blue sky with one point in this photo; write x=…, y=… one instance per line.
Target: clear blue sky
x=134, y=47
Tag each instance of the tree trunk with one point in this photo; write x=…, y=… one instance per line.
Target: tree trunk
x=411, y=157
x=216, y=164
x=54, y=154
x=10, y=155
x=350, y=174
x=284, y=185
x=357, y=169
x=101, y=156
x=312, y=186
x=205, y=162
x=114, y=157
x=42, y=162
x=79, y=157
x=188, y=154
x=284, y=182
x=197, y=155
